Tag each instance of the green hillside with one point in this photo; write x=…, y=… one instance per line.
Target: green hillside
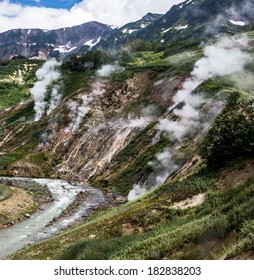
x=204, y=208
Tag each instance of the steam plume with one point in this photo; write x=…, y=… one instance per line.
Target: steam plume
x=109, y=69
x=221, y=59
x=78, y=110
x=224, y=58
x=146, y=117
x=46, y=75
x=55, y=99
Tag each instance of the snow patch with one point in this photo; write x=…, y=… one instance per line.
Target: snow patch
x=63, y=49
x=165, y=31
x=181, y=27
x=240, y=23
x=114, y=27
x=132, y=30
x=91, y=42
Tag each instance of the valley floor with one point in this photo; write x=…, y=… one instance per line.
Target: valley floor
x=159, y=226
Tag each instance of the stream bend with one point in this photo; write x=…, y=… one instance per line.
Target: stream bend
x=46, y=223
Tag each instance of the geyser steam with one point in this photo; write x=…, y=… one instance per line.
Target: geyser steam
x=223, y=58
x=78, y=110
x=46, y=75
x=109, y=69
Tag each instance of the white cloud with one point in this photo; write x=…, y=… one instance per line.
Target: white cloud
x=117, y=12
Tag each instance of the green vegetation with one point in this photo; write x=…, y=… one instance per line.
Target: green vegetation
x=73, y=82
x=122, y=76
x=16, y=117
x=157, y=230
x=88, y=62
x=11, y=94
x=232, y=134
x=17, y=77
x=172, y=221
x=96, y=249
x=5, y=192
x=212, y=87
x=145, y=57
x=138, y=45
x=137, y=169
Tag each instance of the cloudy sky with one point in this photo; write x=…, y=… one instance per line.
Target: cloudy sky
x=53, y=14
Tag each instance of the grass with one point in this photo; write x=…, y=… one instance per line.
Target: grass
x=220, y=227
x=12, y=94
x=16, y=117
x=5, y=192
x=96, y=249
x=9, y=216
x=146, y=214
x=13, y=91
x=145, y=57
x=178, y=64
x=74, y=82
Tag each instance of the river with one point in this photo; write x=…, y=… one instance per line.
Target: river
x=46, y=223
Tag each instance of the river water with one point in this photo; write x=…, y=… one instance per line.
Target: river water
x=44, y=223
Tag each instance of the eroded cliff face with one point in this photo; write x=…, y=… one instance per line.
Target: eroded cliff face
x=81, y=137
x=110, y=133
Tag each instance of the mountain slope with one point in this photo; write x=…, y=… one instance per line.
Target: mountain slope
x=112, y=132
x=167, y=135
x=36, y=43
x=200, y=19
x=123, y=34
x=194, y=19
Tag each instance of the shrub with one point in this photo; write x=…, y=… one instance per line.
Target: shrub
x=232, y=135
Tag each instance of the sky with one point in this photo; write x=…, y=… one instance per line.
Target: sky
x=64, y=4
x=53, y=14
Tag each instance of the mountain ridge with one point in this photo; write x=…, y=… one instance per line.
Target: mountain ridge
x=192, y=19
x=51, y=43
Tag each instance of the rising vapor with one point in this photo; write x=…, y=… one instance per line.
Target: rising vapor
x=79, y=109
x=226, y=57
x=46, y=75
x=109, y=69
